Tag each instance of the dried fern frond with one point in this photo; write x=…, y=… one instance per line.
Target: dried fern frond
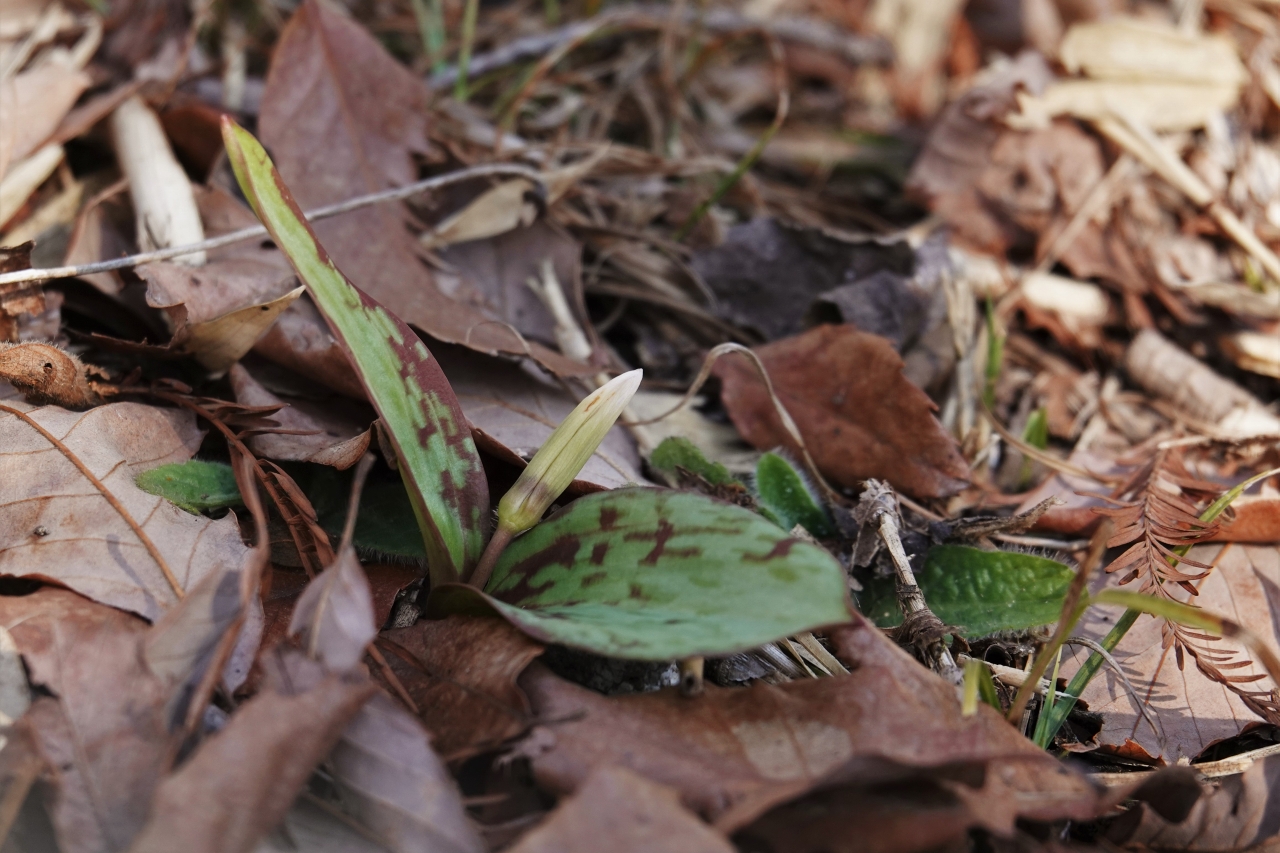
x=1156, y=512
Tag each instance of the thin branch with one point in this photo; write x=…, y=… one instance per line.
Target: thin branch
x=106, y=493
x=250, y=233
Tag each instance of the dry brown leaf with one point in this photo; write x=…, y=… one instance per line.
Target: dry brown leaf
x=342, y=118
x=1193, y=711
x=958, y=151
x=104, y=729
x=339, y=441
x=858, y=415
x=240, y=782
x=499, y=209
x=766, y=273
x=1255, y=519
x=335, y=614
x=461, y=673
x=54, y=523
x=1232, y=814
x=734, y=753
x=31, y=106
x=396, y=786
x=619, y=811
x=494, y=272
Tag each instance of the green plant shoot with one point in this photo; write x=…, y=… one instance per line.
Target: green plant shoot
x=432, y=440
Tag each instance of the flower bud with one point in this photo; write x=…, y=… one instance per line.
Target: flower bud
x=564, y=453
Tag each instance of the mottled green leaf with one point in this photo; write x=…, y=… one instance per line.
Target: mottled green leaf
x=981, y=592
x=432, y=440
x=654, y=574
x=678, y=452
x=194, y=485
x=784, y=496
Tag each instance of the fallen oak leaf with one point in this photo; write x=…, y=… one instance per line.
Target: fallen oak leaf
x=859, y=416
x=74, y=514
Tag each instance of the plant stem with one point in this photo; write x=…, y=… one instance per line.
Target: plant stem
x=469, y=14
x=484, y=569
x=430, y=17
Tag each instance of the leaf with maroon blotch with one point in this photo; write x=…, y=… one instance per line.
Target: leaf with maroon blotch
x=859, y=416
x=240, y=782
x=652, y=574
x=437, y=458
x=343, y=118
x=620, y=811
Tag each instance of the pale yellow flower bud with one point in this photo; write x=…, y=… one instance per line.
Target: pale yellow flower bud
x=564, y=453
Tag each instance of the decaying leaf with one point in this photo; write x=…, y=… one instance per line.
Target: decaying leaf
x=55, y=523
x=343, y=118
x=733, y=753
x=338, y=439
x=461, y=673
x=651, y=574
x=241, y=781
x=396, y=786
x=335, y=614
x=104, y=727
x=621, y=811
x=858, y=415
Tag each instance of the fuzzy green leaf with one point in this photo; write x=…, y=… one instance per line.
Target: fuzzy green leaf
x=384, y=521
x=653, y=574
x=678, y=452
x=437, y=458
x=981, y=592
x=785, y=497
x=194, y=485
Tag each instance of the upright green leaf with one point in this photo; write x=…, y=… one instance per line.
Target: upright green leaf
x=432, y=440
x=653, y=574
x=785, y=497
x=981, y=592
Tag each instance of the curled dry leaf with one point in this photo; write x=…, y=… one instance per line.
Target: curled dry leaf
x=46, y=374
x=335, y=614
x=343, y=118
x=1236, y=813
x=859, y=416
x=338, y=440
x=55, y=523
x=734, y=753
x=461, y=673
x=104, y=727
x=621, y=811
x=240, y=782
